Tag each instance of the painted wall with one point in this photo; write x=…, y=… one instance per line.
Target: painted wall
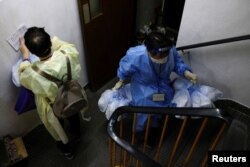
x=224, y=66
x=60, y=18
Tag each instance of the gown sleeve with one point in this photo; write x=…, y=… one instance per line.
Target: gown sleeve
x=127, y=66
x=35, y=82
x=180, y=66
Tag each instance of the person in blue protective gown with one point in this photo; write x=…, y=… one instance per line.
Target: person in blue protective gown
x=37, y=41
x=148, y=67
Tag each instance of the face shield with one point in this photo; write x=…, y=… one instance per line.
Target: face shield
x=158, y=53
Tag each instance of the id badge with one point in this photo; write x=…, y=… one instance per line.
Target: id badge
x=159, y=97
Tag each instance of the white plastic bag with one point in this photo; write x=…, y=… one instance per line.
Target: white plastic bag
x=110, y=109
x=182, y=98
x=210, y=92
x=189, y=95
x=105, y=99
x=181, y=83
x=110, y=100
x=200, y=100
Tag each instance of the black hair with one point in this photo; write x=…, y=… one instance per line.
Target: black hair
x=156, y=40
x=38, y=41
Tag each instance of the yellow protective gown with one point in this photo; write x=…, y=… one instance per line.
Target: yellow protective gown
x=43, y=88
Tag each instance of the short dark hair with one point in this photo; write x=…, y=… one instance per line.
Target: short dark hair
x=38, y=41
x=157, y=40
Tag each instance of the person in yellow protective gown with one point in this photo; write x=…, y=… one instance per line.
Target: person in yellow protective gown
x=52, y=61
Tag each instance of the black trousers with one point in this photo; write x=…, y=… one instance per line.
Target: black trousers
x=74, y=130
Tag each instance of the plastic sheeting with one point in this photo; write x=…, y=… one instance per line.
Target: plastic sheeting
x=186, y=95
x=189, y=95
x=193, y=95
x=110, y=99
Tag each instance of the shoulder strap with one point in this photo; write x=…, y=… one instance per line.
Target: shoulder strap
x=68, y=66
x=46, y=75
x=52, y=78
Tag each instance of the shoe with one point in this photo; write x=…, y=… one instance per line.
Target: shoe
x=66, y=150
x=68, y=155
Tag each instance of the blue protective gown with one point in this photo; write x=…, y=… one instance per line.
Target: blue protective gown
x=148, y=78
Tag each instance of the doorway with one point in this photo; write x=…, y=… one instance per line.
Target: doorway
x=108, y=29
x=173, y=11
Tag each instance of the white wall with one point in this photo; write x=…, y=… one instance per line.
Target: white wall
x=60, y=18
x=224, y=66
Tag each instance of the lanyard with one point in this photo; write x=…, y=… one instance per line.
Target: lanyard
x=156, y=74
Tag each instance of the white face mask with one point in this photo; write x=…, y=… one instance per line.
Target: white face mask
x=159, y=61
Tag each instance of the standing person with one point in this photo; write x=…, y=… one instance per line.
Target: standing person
x=148, y=66
x=52, y=61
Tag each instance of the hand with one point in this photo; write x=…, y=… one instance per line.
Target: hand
x=191, y=76
x=23, y=48
x=118, y=85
